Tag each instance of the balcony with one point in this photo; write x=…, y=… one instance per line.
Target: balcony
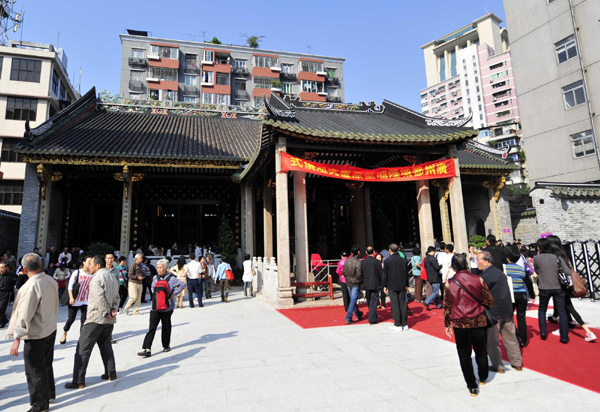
x=242, y=95
x=190, y=90
x=191, y=68
x=332, y=81
x=240, y=71
x=289, y=76
x=153, y=56
x=334, y=99
x=136, y=86
x=138, y=61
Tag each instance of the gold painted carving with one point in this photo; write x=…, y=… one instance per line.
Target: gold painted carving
x=42, y=178
x=56, y=176
x=122, y=161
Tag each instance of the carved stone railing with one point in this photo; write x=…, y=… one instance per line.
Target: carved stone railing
x=266, y=280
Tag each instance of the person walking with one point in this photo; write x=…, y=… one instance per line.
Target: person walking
x=210, y=273
x=247, y=275
x=415, y=262
x=340, y=272
x=149, y=272
x=372, y=282
x=497, y=283
x=395, y=283
x=162, y=315
x=181, y=271
x=34, y=318
x=61, y=275
x=103, y=302
x=353, y=273
x=135, y=276
x=221, y=277
x=194, y=285
x=517, y=275
x=122, y=281
x=497, y=252
x=8, y=280
x=464, y=315
x=78, y=296
x=434, y=278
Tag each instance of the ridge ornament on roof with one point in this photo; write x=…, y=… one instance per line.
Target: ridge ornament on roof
x=434, y=121
x=278, y=108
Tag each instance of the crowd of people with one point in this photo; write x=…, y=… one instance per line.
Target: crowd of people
x=479, y=292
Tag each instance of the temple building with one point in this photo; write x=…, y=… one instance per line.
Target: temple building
x=294, y=178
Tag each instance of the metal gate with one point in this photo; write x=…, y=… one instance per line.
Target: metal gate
x=585, y=255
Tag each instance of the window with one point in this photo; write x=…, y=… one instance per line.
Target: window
x=189, y=99
x=566, y=49
x=223, y=79
x=165, y=52
x=288, y=88
x=207, y=77
x=207, y=98
x=21, y=109
x=442, y=68
x=287, y=68
x=258, y=102
x=331, y=72
x=452, y=64
x=154, y=95
x=138, y=53
x=1, y=60
x=190, y=80
x=208, y=56
x=311, y=66
x=498, y=85
x=496, y=66
x=11, y=193
x=191, y=61
x=26, y=70
x=63, y=92
x=311, y=86
x=137, y=75
x=266, y=61
x=583, y=144
x=163, y=73
x=574, y=94
x=222, y=99
x=262, y=82
x=8, y=150
x=169, y=95
x=55, y=82
x=499, y=74
x=239, y=64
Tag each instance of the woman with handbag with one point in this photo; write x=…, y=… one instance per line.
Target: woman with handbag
x=78, y=290
x=247, y=276
x=180, y=270
x=465, y=298
x=61, y=275
x=223, y=276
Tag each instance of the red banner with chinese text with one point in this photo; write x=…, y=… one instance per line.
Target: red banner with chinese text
x=432, y=170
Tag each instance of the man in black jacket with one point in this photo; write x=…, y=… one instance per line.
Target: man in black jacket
x=371, y=271
x=395, y=283
x=433, y=277
x=498, y=253
x=502, y=310
x=352, y=271
x=7, y=284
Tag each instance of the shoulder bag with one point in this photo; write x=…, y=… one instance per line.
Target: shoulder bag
x=76, y=285
x=563, y=279
x=579, y=287
x=491, y=319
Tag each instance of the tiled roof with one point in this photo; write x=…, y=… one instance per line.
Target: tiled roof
x=469, y=160
x=575, y=192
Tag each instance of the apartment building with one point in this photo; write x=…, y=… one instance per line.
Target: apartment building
x=194, y=72
x=34, y=86
x=469, y=74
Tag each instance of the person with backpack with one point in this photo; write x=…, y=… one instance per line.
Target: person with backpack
x=165, y=287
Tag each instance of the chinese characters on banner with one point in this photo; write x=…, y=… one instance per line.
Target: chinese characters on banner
x=432, y=170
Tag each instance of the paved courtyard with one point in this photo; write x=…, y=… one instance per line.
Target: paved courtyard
x=245, y=356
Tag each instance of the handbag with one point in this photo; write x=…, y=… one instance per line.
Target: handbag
x=563, y=279
x=491, y=319
x=76, y=285
x=511, y=286
x=579, y=287
x=229, y=274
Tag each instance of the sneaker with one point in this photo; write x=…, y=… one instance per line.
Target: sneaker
x=167, y=349
x=474, y=391
x=73, y=385
x=360, y=316
x=108, y=377
x=590, y=337
x=405, y=328
x=556, y=332
x=396, y=328
x=145, y=353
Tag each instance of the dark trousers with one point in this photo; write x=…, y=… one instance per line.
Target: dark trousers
x=4, y=299
x=38, y=355
x=73, y=314
x=194, y=285
x=224, y=284
x=345, y=296
x=208, y=288
x=418, y=289
x=122, y=295
x=571, y=310
x=146, y=286
x=372, y=301
x=476, y=339
x=91, y=334
x=165, y=319
x=399, y=307
x=248, y=288
x=559, y=303
x=521, y=307
x=382, y=294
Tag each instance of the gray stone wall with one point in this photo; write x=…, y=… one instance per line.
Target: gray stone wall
x=525, y=228
x=505, y=221
x=569, y=219
x=29, y=213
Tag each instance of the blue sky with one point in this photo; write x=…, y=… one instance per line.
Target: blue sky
x=380, y=39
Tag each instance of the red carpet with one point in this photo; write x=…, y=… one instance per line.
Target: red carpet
x=577, y=363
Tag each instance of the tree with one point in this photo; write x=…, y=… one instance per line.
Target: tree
x=227, y=243
x=215, y=40
x=99, y=248
x=477, y=241
x=252, y=41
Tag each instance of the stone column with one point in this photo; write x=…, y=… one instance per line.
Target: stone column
x=284, y=291
x=268, y=219
x=368, y=216
x=443, y=191
x=247, y=219
x=457, y=206
x=44, y=173
x=29, y=211
x=358, y=218
x=301, y=227
x=126, y=217
x=424, y=213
